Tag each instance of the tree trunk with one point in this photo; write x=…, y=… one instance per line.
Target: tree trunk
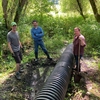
x=80, y=9
x=20, y=7
x=12, y=10
x=95, y=10
x=4, y=6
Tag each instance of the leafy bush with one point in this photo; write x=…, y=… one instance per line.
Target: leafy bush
x=57, y=30
x=61, y=28
x=91, y=30
x=3, y=33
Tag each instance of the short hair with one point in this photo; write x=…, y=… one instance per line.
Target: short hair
x=34, y=21
x=77, y=28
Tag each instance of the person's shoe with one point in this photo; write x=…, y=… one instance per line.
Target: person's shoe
x=36, y=60
x=50, y=59
x=74, y=68
x=17, y=76
x=21, y=71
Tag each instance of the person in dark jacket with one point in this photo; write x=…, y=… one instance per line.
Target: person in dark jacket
x=78, y=46
x=37, y=35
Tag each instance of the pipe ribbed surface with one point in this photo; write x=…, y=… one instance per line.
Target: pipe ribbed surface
x=56, y=86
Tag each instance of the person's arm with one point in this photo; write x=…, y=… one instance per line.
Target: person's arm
x=41, y=34
x=9, y=46
x=33, y=35
x=21, y=47
x=19, y=41
x=20, y=44
x=82, y=39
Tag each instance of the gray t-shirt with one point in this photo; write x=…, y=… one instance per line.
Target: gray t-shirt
x=13, y=38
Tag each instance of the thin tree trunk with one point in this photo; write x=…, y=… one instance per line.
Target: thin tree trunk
x=20, y=7
x=95, y=10
x=25, y=7
x=80, y=9
x=4, y=6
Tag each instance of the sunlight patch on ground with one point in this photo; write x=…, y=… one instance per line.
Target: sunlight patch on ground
x=93, y=87
x=94, y=90
x=90, y=63
x=92, y=80
x=4, y=77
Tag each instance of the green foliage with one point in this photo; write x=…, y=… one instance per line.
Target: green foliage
x=71, y=5
x=3, y=33
x=91, y=30
x=3, y=39
x=99, y=66
x=56, y=30
x=40, y=7
x=24, y=32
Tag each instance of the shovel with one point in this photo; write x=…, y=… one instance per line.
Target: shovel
x=77, y=76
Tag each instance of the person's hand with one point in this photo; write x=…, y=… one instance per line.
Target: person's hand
x=82, y=40
x=22, y=49
x=13, y=55
x=34, y=34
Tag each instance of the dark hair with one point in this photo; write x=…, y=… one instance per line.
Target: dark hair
x=34, y=21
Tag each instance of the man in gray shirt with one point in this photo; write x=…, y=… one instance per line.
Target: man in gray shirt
x=14, y=46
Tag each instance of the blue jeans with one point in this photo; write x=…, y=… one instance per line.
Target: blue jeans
x=40, y=43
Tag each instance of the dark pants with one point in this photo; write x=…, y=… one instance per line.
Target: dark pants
x=77, y=60
x=18, y=56
x=40, y=43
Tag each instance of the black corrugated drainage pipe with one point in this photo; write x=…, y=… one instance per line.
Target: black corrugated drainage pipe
x=56, y=86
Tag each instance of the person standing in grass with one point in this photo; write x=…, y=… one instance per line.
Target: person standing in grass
x=78, y=46
x=14, y=46
x=37, y=34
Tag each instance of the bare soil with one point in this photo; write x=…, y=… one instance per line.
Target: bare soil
x=33, y=78
x=89, y=86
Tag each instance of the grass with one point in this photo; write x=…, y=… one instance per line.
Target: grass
x=99, y=65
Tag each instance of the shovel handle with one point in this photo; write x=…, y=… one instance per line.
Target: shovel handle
x=79, y=57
